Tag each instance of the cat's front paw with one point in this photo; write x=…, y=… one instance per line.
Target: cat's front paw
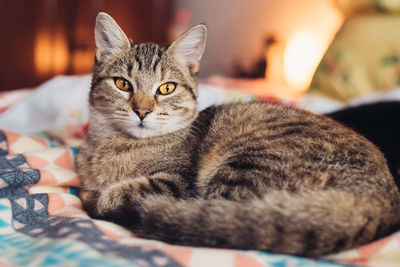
x=89, y=201
x=121, y=197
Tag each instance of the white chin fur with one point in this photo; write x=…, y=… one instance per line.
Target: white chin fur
x=151, y=127
x=143, y=132
x=154, y=130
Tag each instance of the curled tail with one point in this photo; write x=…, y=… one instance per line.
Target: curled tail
x=308, y=224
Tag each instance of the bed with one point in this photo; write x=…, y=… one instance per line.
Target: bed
x=42, y=222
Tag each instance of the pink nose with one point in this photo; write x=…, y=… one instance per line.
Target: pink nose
x=142, y=113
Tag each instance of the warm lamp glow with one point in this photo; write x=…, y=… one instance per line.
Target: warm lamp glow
x=51, y=54
x=82, y=60
x=60, y=52
x=304, y=50
x=42, y=58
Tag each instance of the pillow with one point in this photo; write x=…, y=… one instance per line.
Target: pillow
x=363, y=58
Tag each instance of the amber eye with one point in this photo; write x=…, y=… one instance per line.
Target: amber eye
x=166, y=88
x=122, y=84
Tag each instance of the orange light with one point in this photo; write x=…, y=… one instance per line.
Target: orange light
x=82, y=60
x=60, y=53
x=304, y=50
x=42, y=56
x=293, y=60
x=50, y=53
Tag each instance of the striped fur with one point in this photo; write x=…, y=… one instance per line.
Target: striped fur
x=246, y=176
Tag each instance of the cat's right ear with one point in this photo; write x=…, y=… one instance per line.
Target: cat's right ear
x=109, y=37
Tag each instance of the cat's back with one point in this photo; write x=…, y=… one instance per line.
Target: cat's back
x=294, y=148
x=274, y=123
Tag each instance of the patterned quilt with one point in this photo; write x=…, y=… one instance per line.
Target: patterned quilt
x=42, y=222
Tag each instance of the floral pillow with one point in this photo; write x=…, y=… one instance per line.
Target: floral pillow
x=363, y=58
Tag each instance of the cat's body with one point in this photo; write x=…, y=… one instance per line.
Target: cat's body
x=247, y=176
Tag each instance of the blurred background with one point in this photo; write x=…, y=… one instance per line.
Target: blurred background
x=43, y=38
x=273, y=47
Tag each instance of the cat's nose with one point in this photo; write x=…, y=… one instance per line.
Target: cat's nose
x=142, y=113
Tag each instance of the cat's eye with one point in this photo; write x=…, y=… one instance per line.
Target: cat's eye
x=166, y=88
x=122, y=84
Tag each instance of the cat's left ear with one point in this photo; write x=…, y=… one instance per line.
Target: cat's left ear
x=110, y=39
x=189, y=47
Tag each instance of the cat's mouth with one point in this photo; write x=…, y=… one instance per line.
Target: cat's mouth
x=142, y=125
x=143, y=130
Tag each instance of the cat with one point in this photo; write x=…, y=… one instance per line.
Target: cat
x=253, y=175
x=380, y=123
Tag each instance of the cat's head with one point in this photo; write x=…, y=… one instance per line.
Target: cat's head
x=144, y=90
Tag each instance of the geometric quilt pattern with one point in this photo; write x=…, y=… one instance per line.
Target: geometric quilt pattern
x=29, y=212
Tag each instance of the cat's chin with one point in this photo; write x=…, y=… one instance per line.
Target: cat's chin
x=142, y=132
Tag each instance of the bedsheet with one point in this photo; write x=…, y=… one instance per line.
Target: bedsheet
x=42, y=222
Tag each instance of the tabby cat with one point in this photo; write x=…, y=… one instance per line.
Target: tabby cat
x=244, y=176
